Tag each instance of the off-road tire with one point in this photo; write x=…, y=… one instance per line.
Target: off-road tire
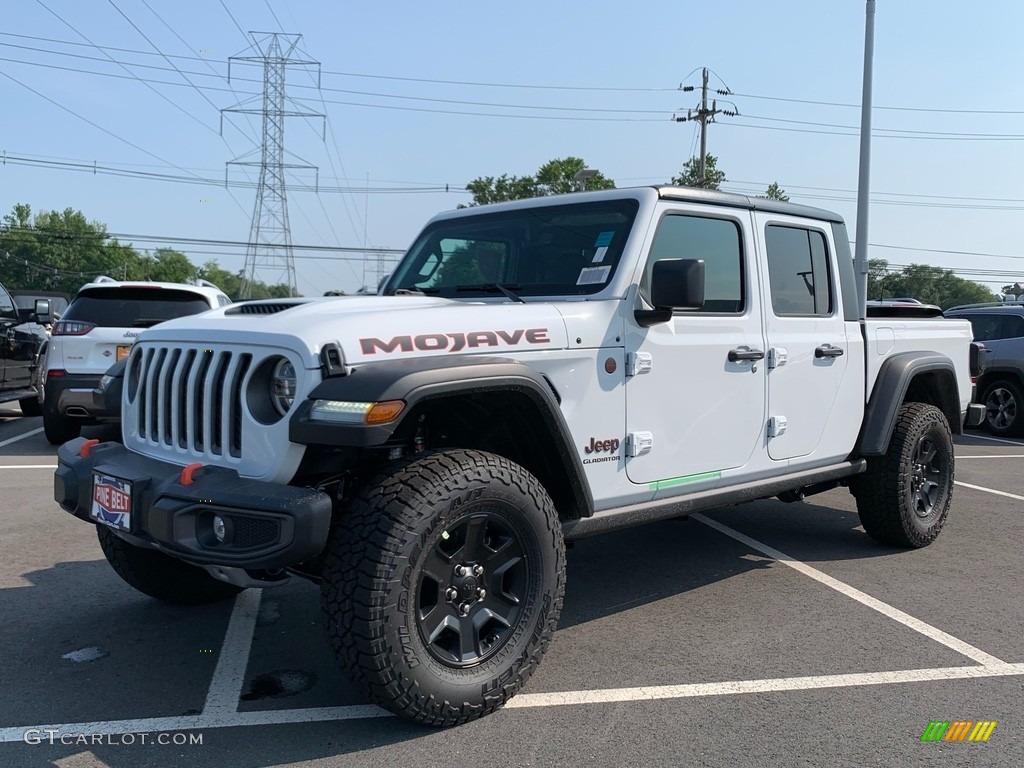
x=155, y=574
x=1004, y=408
x=895, y=507
x=59, y=429
x=399, y=547
x=30, y=406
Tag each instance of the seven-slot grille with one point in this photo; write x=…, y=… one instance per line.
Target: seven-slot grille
x=189, y=398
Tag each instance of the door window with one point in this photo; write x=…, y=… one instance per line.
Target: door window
x=798, y=271
x=6, y=304
x=717, y=243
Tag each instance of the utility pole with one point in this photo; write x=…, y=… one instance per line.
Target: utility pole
x=704, y=116
x=270, y=239
x=864, y=181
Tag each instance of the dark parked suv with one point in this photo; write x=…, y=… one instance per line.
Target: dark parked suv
x=21, y=345
x=1000, y=327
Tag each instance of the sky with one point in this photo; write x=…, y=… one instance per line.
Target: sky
x=421, y=98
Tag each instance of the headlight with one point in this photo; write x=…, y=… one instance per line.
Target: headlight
x=282, y=386
x=345, y=412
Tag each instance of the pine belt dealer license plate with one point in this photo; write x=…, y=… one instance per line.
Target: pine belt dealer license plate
x=111, y=501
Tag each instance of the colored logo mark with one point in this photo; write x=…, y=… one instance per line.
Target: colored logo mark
x=205, y=201
x=958, y=730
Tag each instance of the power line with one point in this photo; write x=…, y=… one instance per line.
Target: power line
x=536, y=86
x=96, y=168
x=945, y=110
x=844, y=130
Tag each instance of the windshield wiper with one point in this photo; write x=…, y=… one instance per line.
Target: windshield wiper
x=493, y=287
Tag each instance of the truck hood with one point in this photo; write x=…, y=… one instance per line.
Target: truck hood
x=372, y=328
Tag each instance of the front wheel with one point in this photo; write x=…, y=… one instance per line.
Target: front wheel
x=443, y=583
x=903, y=499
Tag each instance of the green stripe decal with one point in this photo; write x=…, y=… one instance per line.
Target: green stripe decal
x=684, y=480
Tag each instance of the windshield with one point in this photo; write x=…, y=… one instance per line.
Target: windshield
x=133, y=307
x=547, y=250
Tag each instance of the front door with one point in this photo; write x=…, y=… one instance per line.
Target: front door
x=695, y=402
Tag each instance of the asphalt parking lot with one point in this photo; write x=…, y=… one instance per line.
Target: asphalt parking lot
x=762, y=635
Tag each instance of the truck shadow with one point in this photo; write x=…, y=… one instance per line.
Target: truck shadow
x=156, y=660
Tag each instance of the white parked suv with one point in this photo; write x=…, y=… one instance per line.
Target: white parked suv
x=532, y=372
x=97, y=330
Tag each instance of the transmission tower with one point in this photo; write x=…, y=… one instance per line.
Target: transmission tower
x=269, y=254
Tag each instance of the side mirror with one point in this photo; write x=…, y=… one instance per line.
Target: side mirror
x=43, y=313
x=677, y=284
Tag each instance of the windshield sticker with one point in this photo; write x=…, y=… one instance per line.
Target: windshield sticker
x=593, y=275
x=600, y=253
x=605, y=238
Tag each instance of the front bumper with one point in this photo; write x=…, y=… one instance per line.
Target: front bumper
x=268, y=525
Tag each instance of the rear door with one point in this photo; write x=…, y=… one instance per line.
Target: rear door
x=814, y=411
x=8, y=322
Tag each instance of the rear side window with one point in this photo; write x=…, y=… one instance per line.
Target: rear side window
x=798, y=271
x=994, y=327
x=133, y=307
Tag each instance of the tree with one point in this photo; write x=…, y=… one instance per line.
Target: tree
x=62, y=250
x=1014, y=289
x=690, y=176
x=555, y=177
x=775, y=192
x=558, y=177
x=932, y=285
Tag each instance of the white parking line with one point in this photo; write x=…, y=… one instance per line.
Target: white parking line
x=522, y=701
x=692, y=690
x=28, y=466
x=229, y=675
x=10, y=440
x=932, y=633
x=994, y=456
x=990, y=490
x=996, y=440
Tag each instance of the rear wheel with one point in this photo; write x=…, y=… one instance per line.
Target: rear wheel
x=155, y=574
x=30, y=406
x=903, y=499
x=1004, y=408
x=59, y=429
x=443, y=583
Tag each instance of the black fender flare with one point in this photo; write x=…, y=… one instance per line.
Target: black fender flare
x=421, y=380
x=890, y=390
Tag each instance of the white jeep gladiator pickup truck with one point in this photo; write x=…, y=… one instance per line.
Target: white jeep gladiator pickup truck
x=532, y=372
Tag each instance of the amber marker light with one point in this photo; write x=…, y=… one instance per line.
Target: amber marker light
x=381, y=413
